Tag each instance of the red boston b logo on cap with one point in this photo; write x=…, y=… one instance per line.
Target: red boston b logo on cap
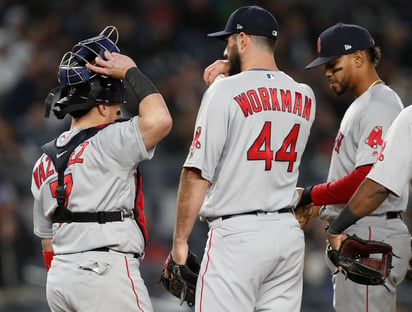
x=341, y=39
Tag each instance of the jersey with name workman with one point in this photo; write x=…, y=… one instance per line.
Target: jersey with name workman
x=250, y=134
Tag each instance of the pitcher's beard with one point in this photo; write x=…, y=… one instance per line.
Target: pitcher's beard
x=234, y=63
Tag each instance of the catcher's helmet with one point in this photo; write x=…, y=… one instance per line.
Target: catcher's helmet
x=80, y=98
x=81, y=89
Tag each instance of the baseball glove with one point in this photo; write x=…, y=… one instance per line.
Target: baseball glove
x=354, y=259
x=181, y=279
x=303, y=214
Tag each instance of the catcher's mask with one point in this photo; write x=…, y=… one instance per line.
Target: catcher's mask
x=72, y=68
x=81, y=89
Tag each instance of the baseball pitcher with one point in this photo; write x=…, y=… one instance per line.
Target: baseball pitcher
x=241, y=172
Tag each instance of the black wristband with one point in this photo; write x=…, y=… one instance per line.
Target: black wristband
x=141, y=85
x=306, y=198
x=344, y=220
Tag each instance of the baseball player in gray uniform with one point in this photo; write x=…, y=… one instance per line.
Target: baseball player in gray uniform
x=387, y=184
x=349, y=55
x=249, y=136
x=88, y=205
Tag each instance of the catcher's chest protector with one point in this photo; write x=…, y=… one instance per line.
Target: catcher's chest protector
x=60, y=155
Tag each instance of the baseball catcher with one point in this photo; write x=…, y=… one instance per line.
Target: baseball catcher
x=365, y=262
x=91, y=163
x=180, y=280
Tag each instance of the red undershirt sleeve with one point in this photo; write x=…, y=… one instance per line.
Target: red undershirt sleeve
x=341, y=190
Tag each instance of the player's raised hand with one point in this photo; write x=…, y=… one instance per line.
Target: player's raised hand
x=219, y=68
x=115, y=65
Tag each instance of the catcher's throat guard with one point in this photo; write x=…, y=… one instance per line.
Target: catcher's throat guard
x=364, y=262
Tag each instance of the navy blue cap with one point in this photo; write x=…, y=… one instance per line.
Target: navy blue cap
x=341, y=39
x=252, y=20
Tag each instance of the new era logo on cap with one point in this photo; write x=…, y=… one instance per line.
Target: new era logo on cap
x=252, y=20
x=341, y=39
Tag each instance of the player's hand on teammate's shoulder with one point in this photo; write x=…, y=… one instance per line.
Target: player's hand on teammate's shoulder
x=216, y=70
x=115, y=65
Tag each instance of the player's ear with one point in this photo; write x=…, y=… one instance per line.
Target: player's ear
x=243, y=40
x=358, y=58
x=101, y=108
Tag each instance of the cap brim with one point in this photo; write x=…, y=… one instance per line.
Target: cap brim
x=220, y=34
x=321, y=61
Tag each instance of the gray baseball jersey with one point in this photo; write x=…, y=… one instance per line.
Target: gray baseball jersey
x=393, y=167
x=100, y=176
x=250, y=134
x=359, y=141
x=360, y=137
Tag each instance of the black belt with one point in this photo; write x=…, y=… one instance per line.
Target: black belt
x=107, y=249
x=99, y=217
x=393, y=215
x=256, y=212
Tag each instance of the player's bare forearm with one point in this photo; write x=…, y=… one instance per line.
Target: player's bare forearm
x=214, y=70
x=155, y=121
x=367, y=198
x=191, y=193
x=46, y=244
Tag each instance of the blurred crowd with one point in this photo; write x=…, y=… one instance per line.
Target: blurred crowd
x=167, y=39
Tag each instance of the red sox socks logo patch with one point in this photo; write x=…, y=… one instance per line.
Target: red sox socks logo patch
x=195, y=142
x=338, y=141
x=375, y=139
